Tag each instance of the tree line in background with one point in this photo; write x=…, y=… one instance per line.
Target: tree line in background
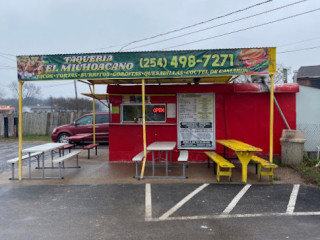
x=31, y=98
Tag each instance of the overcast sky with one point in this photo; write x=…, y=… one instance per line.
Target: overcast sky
x=31, y=27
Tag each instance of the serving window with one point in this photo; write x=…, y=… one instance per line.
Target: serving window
x=133, y=112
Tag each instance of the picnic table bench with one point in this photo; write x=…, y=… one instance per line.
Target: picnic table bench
x=91, y=146
x=68, y=146
x=183, y=157
x=24, y=157
x=220, y=162
x=138, y=158
x=62, y=159
x=262, y=163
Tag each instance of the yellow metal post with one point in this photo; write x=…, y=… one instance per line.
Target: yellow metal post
x=144, y=130
x=271, y=116
x=94, y=115
x=20, y=130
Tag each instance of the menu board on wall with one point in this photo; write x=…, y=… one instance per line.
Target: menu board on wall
x=196, y=125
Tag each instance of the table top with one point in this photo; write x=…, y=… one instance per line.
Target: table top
x=78, y=137
x=161, y=146
x=238, y=146
x=44, y=147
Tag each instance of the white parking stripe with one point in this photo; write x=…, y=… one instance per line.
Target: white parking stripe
x=236, y=199
x=237, y=216
x=183, y=201
x=293, y=198
x=148, y=200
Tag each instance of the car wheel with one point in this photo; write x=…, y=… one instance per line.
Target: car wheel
x=62, y=136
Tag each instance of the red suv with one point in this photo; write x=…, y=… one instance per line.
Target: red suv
x=84, y=125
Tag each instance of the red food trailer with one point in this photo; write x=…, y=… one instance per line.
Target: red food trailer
x=188, y=99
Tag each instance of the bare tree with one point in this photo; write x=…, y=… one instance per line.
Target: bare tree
x=71, y=104
x=2, y=95
x=29, y=91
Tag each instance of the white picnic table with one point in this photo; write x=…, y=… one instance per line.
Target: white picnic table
x=161, y=147
x=47, y=147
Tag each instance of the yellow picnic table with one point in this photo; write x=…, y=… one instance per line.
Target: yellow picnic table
x=244, y=153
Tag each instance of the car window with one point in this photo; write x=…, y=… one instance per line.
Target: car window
x=102, y=118
x=86, y=120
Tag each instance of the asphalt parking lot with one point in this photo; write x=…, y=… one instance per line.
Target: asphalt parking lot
x=102, y=201
x=160, y=211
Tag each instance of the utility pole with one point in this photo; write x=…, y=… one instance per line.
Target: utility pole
x=75, y=90
x=51, y=104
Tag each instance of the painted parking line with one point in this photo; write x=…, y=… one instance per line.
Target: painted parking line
x=236, y=199
x=237, y=216
x=293, y=198
x=148, y=215
x=288, y=208
x=182, y=202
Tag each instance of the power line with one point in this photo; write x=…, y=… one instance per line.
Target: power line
x=7, y=68
x=196, y=24
x=112, y=46
x=58, y=85
x=297, y=50
x=219, y=25
x=306, y=40
x=7, y=54
x=244, y=29
x=183, y=28
x=7, y=58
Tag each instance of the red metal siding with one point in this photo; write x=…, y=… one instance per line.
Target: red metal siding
x=239, y=115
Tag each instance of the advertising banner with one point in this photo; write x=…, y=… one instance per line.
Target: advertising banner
x=196, y=125
x=157, y=64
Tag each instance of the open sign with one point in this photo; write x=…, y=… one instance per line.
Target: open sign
x=158, y=110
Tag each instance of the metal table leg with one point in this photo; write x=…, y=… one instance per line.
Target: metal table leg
x=167, y=163
x=43, y=165
x=29, y=165
x=153, y=163
x=52, y=158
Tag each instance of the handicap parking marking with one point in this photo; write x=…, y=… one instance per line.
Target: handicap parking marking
x=210, y=201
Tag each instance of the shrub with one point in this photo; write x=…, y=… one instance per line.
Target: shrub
x=308, y=171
